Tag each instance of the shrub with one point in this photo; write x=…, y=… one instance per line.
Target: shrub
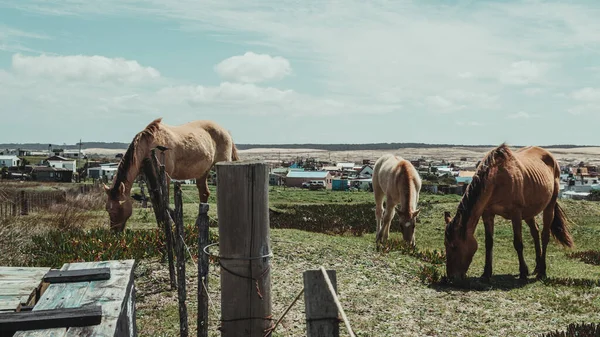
x=579, y=330
x=434, y=257
x=76, y=245
x=356, y=219
x=588, y=256
x=430, y=274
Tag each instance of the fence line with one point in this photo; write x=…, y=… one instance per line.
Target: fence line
x=20, y=202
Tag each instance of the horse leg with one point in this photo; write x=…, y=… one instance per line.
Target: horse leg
x=202, y=185
x=518, y=244
x=378, y=210
x=548, y=216
x=535, y=234
x=388, y=215
x=488, y=221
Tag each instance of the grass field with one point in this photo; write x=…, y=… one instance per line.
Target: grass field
x=382, y=293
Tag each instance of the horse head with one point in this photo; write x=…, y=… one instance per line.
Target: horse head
x=460, y=247
x=408, y=221
x=119, y=207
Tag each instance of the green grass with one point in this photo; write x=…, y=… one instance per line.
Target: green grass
x=389, y=293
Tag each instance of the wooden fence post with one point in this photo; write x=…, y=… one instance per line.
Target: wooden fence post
x=245, y=255
x=321, y=312
x=24, y=204
x=156, y=178
x=180, y=250
x=203, y=231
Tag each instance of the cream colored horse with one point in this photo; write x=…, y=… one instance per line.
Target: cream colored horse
x=193, y=149
x=398, y=181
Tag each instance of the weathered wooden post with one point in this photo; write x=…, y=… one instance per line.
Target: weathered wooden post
x=321, y=312
x=24, y=204
x=162, y=178
x=245, y=255
x=156, y=180
x=180, y=250
x=203, y=231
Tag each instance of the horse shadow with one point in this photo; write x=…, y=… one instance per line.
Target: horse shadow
x=503, y=282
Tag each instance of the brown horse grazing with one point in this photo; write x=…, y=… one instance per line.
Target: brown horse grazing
x=517, y=186
x=397, y=180
x=193, y=149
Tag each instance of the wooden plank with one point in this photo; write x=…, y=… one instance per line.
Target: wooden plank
x=52, y=318
x=78, y=275
x=18, y=286
x=116, y=296
x=62, y=295
x=22, y=272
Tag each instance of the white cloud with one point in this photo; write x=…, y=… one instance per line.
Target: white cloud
x=14, y=40
x=82, y=68
x=521, y=115
x=523, y=73
x=228, y=93
x=586, y=94
x=456, y=100
x=253, y=68
x=583, y=109
x=466, y=75
x=532, y=91
x=442, y=104
x=471, y=123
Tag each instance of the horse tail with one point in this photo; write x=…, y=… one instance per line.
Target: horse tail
x=234, y=153
x=559, y=227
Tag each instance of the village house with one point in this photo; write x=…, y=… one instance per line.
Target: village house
x=54, y=174
x=62, y=162
x=9, y=161
x=296, y=178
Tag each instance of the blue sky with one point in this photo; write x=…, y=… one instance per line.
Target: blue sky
x=461, y=72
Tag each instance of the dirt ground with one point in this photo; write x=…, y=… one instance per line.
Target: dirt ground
x=589, y=155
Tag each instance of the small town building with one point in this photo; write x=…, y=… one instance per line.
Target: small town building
x=296, y=178
x=62, y=162
x=9, y=161
x=54, y=174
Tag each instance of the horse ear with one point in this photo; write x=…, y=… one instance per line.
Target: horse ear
x=415, y=213
x=447, y=217
x=122, y=189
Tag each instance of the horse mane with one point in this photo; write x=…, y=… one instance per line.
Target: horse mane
x=476, y=187
x=129, y=158
x=405, y=179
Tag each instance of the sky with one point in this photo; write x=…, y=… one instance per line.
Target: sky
x=311, y=71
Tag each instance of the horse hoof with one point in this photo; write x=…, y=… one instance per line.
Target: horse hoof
x=485, y=278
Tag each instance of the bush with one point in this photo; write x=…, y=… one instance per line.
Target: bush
x=76, y=245
x=594, y=195
x=588, y=256
x=579, y=330
x=356, y=219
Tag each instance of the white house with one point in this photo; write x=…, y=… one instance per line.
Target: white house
x=99, y=171
x=73, y=154
x=62, y=162
x=9, y=161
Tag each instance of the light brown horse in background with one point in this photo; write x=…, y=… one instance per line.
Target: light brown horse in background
x=193, y=149
x=398, y=181
x=517, y=186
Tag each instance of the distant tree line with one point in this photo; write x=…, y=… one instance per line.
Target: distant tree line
x=326, y=147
